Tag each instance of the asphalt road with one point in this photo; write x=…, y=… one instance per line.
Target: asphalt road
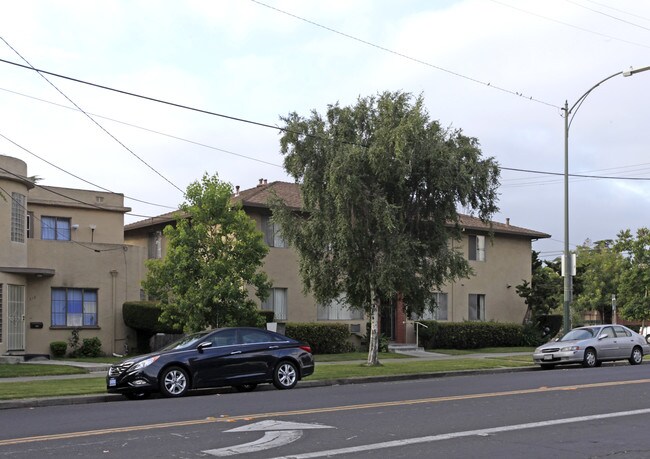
x=571, y=412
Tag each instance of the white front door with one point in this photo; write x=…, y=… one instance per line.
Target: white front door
x=16, y=310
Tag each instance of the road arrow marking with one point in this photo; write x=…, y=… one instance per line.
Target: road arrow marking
x=276, y=433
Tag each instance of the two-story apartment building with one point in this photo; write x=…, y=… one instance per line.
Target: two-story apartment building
x=500, y=257
x=63, y=264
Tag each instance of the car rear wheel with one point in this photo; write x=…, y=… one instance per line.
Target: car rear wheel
x=285, y=375
x=590, y=360
x=637, y=356
x=647, y=339
x=245, y=387
x=174, y=382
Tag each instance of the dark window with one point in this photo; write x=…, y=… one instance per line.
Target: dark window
x=272, y=233
x=476, y=307
x=476, y=246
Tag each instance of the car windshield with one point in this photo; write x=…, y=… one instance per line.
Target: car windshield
x=185, y=342
x=579, y=333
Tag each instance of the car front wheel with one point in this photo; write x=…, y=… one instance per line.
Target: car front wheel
x=637, y=356
x=590, y=360
x=285, y=375
x=174, y=382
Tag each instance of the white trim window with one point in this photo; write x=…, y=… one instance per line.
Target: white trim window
x=338, y=310
x=476, y=307
x=436, y=309
x=272, y=233
x=18, y=217
x=476, y=244
x=55, y=228
x=277, y=302
x=74, y=307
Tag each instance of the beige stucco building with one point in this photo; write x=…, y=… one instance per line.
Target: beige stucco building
x=63, y=264
x=501, y=259
x=68, y=262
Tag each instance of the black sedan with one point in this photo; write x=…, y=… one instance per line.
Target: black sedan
x=238, y=357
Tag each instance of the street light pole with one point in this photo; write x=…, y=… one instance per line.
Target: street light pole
x=569, y=114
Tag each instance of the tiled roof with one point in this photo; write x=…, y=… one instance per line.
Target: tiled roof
x=290, y=194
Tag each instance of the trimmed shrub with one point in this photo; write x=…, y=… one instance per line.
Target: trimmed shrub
x=58, y=348
x=323, y=338
x=473, y=335
x=90, y=347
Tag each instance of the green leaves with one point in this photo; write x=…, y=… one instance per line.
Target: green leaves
x=214, y=255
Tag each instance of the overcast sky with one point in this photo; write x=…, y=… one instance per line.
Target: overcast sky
x=499, y=70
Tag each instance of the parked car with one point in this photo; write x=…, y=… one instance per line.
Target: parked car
x=238, y=357
x=593, y=345
x=645, y=332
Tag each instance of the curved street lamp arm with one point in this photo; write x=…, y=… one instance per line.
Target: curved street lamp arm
x=582, y=98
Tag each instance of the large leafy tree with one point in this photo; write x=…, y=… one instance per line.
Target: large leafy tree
x=213, y=258
x=381, y=185
x=543, y=293
x=598, y=268
x=634, y=280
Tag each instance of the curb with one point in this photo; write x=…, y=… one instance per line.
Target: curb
x=103, y=398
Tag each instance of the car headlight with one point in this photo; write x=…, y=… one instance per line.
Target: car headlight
x=145, y=363
x=570, y=348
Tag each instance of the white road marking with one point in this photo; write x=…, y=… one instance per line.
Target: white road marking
x=276, y=433
x=468, y=433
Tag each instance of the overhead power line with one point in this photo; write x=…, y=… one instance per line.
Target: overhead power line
x=419, y=61
x=91, y=118
x=608, y=15
x=76, y=176
x=174, y=104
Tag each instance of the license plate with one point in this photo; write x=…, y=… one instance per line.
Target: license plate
x=112, y=382
x=548, y=357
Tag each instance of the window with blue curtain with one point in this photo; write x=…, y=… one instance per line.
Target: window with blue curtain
x=55, y=228
x=74, y=307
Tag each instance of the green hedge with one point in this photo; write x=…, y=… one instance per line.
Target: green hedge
x=323, y=338
x=476, y=335
x=143, y=315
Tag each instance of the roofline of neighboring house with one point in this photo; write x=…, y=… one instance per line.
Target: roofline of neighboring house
x=246, y=199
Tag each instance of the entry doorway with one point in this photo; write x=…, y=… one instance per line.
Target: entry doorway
x=16, y=316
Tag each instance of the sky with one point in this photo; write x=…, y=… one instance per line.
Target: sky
x=500, y=70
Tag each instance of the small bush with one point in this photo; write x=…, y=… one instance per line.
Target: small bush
x=91, y=347
x=58, y=348
x=323, y=338
x=74, y=342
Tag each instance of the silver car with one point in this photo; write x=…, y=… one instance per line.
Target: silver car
x=593, y=345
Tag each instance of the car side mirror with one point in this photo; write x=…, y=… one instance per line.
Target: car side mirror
x=203, y=345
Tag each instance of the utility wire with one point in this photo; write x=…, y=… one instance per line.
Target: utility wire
x=173, y=104
x=76, y=176
x=620, y=11
x=607, y=15
x=396, y=53
x=148, y=130
x=571, y=25
x=91, y=118
x=530, y=171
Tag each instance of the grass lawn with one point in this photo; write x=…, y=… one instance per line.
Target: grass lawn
x=391, y=364
x=35, y=389
x=17, y=370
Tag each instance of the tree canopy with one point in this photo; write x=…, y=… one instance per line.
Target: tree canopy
x=543, y=293
x=213, y=258
x=381, y=184
x=635, y=277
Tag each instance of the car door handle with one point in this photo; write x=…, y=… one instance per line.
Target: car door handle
x=274, y=347
x=235, y=352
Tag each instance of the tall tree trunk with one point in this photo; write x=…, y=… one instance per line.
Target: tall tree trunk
x=373, y=343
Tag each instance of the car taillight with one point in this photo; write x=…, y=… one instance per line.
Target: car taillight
x=306, y=348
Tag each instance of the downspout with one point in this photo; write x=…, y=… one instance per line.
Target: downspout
x=113, y=306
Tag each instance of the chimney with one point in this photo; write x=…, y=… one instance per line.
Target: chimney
x=260, y=184
x=507, y=221
x=266, y=181
x=237, y=190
